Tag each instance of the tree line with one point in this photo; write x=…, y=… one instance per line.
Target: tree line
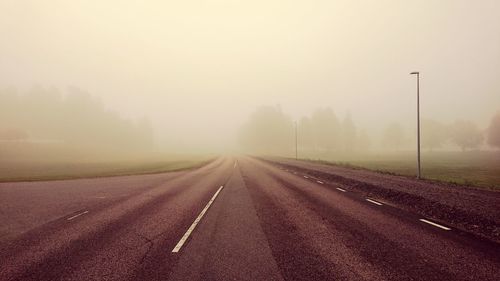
x=269, y=130
x=464, y=134
x=73, y=118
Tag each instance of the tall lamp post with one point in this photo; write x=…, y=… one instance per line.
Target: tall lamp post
x=418, y=122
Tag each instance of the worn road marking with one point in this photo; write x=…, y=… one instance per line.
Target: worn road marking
x=435, y=224
x=320, y=182
x=306, y=177
x=374, y=202
x=75, y=216
x=196, y=221
x=338, y=188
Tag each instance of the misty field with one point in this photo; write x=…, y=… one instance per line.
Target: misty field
x=28, y=161
x=31, y=171
x=474, y=168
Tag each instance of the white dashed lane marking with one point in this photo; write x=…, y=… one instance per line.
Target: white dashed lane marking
x=374, y=202
x=196, y=221
x=435, y=224
x=77, y=215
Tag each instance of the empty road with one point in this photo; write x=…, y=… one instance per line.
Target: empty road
x=236, y=218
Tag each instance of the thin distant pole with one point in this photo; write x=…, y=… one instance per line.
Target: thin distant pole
x=418, y=123
x=296, y=143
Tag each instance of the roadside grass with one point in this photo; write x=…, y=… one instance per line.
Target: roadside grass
x=478, y=169
x=11, y=171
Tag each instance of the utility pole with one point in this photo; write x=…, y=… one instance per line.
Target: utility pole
x=418, y=122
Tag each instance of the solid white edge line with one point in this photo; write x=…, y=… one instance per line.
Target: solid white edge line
x=320, y=182
x=77, y=215
x=374, y=202
x=196, y=221
x=435, y=224
x=338, y=188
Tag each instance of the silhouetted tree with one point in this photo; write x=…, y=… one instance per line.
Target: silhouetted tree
x=465, y=134
x=494, y=131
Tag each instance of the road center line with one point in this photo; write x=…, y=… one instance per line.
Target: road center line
x=338, y=188
x=77, y=215
x=435, y=224
x=196, y=221
x=374, y=202
x=320, y=182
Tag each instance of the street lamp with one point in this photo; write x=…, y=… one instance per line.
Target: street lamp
x=418, y=122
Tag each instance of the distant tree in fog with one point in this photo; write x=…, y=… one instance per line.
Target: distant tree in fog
x=434, y=134
x=465, y=134
x=348, y=133
x=326, y=129
x=75, y=118
x=363, y=142
x=394, y=136
x=305, y=134
x=494, y=131
x=269, y=131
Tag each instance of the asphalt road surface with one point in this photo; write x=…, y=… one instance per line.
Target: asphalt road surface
x=233, y=219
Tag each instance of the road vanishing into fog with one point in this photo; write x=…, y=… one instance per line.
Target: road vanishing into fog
x=236, y=218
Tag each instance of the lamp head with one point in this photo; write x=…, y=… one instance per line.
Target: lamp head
x=415, y=72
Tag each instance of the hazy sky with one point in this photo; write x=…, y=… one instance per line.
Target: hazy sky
x=198, y=68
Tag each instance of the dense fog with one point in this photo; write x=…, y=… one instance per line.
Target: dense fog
x=141, y=78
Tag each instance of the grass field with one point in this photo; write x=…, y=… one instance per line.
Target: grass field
x=39, y=170
x=29, y=161
x=476, y=168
